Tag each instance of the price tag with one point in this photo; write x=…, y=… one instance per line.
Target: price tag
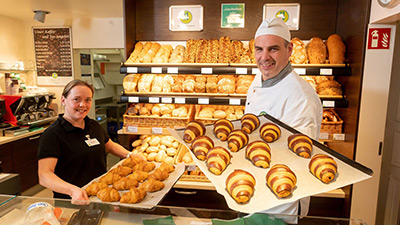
x=133, y=99
x=300, y=71
x=156, y=70
x=166, y=100
x=324, y=136
x=325, y=71
x=180, y=100
x=191, y=168
x=131, y=70
x=255, y=71
x=234, y=101
x=172, y=70
x=154, y=99
x=241, y=70
x=328, y=103
x=338, y=137
x=156, y=130
x=206, y=70
x=204, y=101
x=132, y=129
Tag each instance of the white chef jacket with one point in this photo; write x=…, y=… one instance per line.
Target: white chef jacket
x=294, y=102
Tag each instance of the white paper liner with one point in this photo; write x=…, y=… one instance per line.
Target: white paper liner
x=263, y=198
x=152, y=198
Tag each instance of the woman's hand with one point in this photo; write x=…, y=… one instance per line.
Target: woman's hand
x=79, y=196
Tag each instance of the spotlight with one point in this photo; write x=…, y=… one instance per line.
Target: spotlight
x=40, y=15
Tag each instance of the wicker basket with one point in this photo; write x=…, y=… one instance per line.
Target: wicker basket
x=332, y=127
x=207, y=121
x=151, y=121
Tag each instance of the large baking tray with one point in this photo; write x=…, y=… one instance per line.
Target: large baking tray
x=349, y=171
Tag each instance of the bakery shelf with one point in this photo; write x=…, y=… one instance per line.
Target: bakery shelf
x=138, y=130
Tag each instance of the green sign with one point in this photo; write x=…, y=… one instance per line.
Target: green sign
x=232, y=15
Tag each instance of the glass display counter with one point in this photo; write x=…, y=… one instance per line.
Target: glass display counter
x=13, y=210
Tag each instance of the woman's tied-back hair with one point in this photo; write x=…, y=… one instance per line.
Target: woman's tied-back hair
x=73, y=84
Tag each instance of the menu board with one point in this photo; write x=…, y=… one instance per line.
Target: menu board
x=53, y=51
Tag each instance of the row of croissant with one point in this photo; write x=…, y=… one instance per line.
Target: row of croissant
x=226, y=50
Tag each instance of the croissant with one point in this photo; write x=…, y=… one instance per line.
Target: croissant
x=144, y=166
x=323, y=167
x=109, y=178
x=222, y=128
x=270, y=132
x=95, y=187
x=201, y=145
x=281, y=180
x=237, y=139
x=134, y=195
x=152, y=185
x=217, y=160
x=122, y=170
x=139, y=175
x=259, y=153
x=240, y=185
x=300, y=144
x=125, y=183
x=167, y=167
x=132, y=161
x=159, y=174
x=193, y=129
x=108, y=194
x=250, y=122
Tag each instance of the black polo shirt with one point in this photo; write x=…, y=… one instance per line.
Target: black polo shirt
x=77, y=163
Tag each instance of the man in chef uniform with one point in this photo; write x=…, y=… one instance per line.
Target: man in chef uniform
x=280, y=92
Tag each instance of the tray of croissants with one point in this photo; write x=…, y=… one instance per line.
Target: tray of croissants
x=135, y=182
x=257, y=164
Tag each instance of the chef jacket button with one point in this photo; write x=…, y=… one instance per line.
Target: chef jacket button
x=248, y=103
x=254, y=91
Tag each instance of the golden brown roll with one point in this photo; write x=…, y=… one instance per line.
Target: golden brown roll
x=201, y=145
x=134, y=195
x=217, y=160
x=300, y=144
x=152, y=185
x=336, y=49
x=139, y=175
x=95, y=187
x=222, y=128
x=193, y=129
x=259, y=153
x=108, y=194
x=316, y=51
x=122, y=170
x=323, y=167
x=159, y=174
x=167, y=167
x=109, y=178
x=281, y=180
x=240, y=185
x=250, y=122
x=125, y=183
x=237, y=139
x=270, y=132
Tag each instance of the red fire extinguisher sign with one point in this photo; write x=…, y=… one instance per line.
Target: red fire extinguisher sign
x=379, y=38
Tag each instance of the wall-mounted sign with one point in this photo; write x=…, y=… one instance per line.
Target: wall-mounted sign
x=289, y=12
x=379, y=38
x=186, y=18
x=53, y=53
x=232, y=15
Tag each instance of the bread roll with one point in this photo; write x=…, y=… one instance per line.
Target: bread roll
x=188, y=84
x=316, y=51
x=250, y=122
x=226, y=84
x=336, y=49
x=281, y=180
x=219, y=114
x=300, y=144
x=157, y=85
x=145, y=82
x=201, y=145
x=193, y=130
x=270, y=132
x=240, y=185
x=178, y=84
x=237, y=139
x=299, y=53
x=259, y=153
x=323, y=167
x=130, y=82
x=217, y=160
x=206, y=112
x=168, y=82
x=222, y=128
x=329, y=87
x=211, y=85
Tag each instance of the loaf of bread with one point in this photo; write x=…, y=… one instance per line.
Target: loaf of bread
x=190, y=51
x=145, y=82
x=145, y=49
x=130, y=82
x=226, y=84
x=158, y=83
x=300, y=144
x=193, y=129
x=178, y=83
x=250, y=122
x=201, y=54
x=163, y=54
x=188, y=84
x=222, y=128
x=177, y=54
x=336, y=49
x=299, y=53
x=270, y=132
x=237, y=47
x=323, y=167
x=148, y=57
x=259, y=153
x=237, y=139
x=316, y=51
x=281, y=180
x=206, y=112
x=329, y=87
x=211, y=85
x=219, y=114
x=200, y=85
x=240, y=185
x=135, y=53
x=201, y=145
x=243, y=83
x=168, y=82
x=251, y=48
x=245, y=58
x=225, y=50
x=217, y=159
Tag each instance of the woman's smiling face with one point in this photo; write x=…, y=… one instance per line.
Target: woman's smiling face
x=77, y=103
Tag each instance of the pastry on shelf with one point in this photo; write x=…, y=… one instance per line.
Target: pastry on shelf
x=201, y=145
x=243, y=83
x=251, y=47
x=148, y=57
x=135, y=53
x=193, y=129
x=219, y=114
x=237, y=139
x=145, y=82
x=134, y=195
x=201, y=54
x=237, y=47
x=329, y=87
x=240, y=185
x=130, y=82
x=316, y=51
x=178, y=84
x=329, y=116
x=190, y=51
x=281, y=180
x=152, y=185
x=177, y=54
x=246, y=57
x=336, y=49
x=226, y=84
x=259, y=153
x=323, y=167
x=200, y=85
x=211, y=85
x=125, y=183
x=163, y=54
x=158, y=83
x=270, y=132
x=225, y=50
x=300, y=144
x=213, y=51
x=222, y=129
x=144, y=50
x=108, y=194
x=217, y=160
x=299, y=53
x=250, y=122
x=188, y=84
x=206, y=112
x=95, y=187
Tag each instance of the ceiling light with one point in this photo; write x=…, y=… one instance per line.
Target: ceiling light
x=40, y=15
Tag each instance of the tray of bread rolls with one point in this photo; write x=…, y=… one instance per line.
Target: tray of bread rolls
x=264, y=164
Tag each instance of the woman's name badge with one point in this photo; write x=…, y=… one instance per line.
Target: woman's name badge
x=91, y=141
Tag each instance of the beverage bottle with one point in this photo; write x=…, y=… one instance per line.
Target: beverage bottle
x=40, y=213
x=8, y=83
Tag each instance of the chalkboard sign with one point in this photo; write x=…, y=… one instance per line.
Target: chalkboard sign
x=53, y=52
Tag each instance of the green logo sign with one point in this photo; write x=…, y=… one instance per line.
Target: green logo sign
x=186, y=17
x=283, y=14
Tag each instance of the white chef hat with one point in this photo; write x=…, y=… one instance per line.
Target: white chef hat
x=274, y=26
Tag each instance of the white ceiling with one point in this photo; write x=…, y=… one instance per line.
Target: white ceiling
x=62, y=9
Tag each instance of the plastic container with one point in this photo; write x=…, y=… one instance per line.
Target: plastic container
x=40, y=213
